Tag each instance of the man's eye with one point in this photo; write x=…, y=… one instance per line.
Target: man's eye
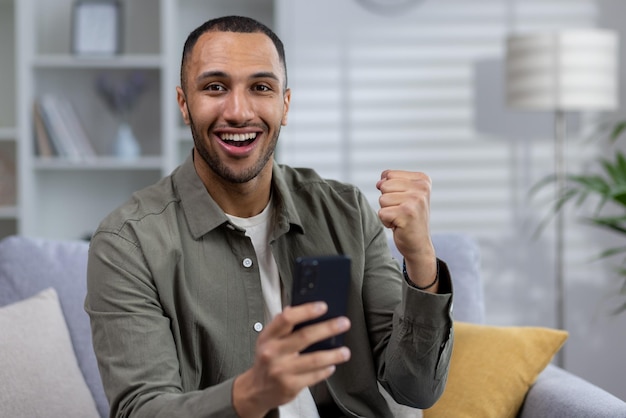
x=262, y=88
x=214, y=87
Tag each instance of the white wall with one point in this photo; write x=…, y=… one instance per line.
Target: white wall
x=423, y=91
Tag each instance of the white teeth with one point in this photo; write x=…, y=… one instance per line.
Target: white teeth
x=238, y=137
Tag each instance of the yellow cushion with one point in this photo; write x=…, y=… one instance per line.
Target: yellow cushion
x=492, y=368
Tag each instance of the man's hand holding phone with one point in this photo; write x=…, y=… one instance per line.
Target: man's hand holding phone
x=303, y=344
x=281, y=369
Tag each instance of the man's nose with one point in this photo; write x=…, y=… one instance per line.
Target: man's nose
x=238, y=107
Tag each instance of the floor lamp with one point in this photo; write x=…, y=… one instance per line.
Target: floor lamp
x=563, y=71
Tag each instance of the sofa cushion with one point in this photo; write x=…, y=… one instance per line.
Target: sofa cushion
x=39, y=375
x=492, y=368
x=559, y=393
x=30, y=265
x=462, y=255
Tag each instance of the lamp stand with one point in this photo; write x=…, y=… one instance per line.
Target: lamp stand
x=558, y=71
x=560, y=170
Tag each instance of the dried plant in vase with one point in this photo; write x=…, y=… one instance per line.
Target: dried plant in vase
x=121, y=96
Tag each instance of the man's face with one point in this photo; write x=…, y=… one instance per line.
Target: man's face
x=235, y=101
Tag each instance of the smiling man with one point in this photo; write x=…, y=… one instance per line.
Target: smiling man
x=233, y=94
x=189, y=282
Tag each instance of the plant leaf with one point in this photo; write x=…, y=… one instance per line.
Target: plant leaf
x=541, y=184
x=619, y=195
x=612, y=223
x=611, y=252
x=617, y=130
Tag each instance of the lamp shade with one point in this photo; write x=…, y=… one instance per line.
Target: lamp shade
x=565, y=70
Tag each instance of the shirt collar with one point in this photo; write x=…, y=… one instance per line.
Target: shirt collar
x=286, y=212
x=203, y=214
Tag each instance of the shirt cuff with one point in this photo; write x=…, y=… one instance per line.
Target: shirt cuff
x=443, y=278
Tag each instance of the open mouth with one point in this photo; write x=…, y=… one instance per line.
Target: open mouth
x=238, y=140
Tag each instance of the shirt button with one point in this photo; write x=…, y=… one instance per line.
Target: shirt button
x=247, y=263
x=258, y=326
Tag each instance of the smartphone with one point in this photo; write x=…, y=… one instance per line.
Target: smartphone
x=324, y=278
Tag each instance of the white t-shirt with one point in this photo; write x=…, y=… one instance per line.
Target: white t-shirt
x=258, y=229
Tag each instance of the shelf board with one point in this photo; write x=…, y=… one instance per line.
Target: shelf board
x=8, y=212
x=99, y=163
x=114, y=62
x=8, y=134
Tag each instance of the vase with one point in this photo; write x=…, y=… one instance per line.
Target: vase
x=126, y=146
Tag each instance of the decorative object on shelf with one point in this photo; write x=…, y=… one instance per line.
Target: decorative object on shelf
x=120, y=97
x=96, y=27
x=570, y=70
x=126, y=145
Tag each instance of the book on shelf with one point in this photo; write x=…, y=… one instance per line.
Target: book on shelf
x=58, y=130
x=43, y=144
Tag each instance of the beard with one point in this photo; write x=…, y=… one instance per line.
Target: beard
x=222, y=170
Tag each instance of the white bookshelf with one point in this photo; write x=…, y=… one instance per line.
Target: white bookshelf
x=65, y=199
x=9, y=212
x=117, y=62
x=104, y=163
x=7, y=134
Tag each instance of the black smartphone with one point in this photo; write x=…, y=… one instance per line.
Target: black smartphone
x=327, y=279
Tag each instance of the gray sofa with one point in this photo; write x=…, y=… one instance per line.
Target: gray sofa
x=28, y=266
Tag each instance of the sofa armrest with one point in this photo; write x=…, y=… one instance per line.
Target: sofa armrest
x=560, y=393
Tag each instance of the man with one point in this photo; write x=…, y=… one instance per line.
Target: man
x=189, y=282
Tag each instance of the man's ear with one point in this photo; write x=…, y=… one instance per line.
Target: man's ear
x=286, y=101
x=182, y=104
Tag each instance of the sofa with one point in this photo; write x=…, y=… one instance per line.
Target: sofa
x=35, y=385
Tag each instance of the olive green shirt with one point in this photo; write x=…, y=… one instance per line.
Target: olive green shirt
x=175, y=301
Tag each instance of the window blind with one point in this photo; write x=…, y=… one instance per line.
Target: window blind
x=371, y=92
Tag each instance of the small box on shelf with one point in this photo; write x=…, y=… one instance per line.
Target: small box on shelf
x=96, y=27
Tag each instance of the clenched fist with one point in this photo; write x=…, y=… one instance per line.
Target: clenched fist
x=405, y=209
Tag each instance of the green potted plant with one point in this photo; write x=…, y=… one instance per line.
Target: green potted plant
x=604, y=182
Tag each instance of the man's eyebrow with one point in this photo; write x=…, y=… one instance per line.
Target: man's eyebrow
x=222, y=74
x=265, y=74
x=211, y=74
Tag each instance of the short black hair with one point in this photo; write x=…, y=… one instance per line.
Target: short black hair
x=237, y=24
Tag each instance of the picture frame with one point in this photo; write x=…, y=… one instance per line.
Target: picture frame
x=96, y=27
